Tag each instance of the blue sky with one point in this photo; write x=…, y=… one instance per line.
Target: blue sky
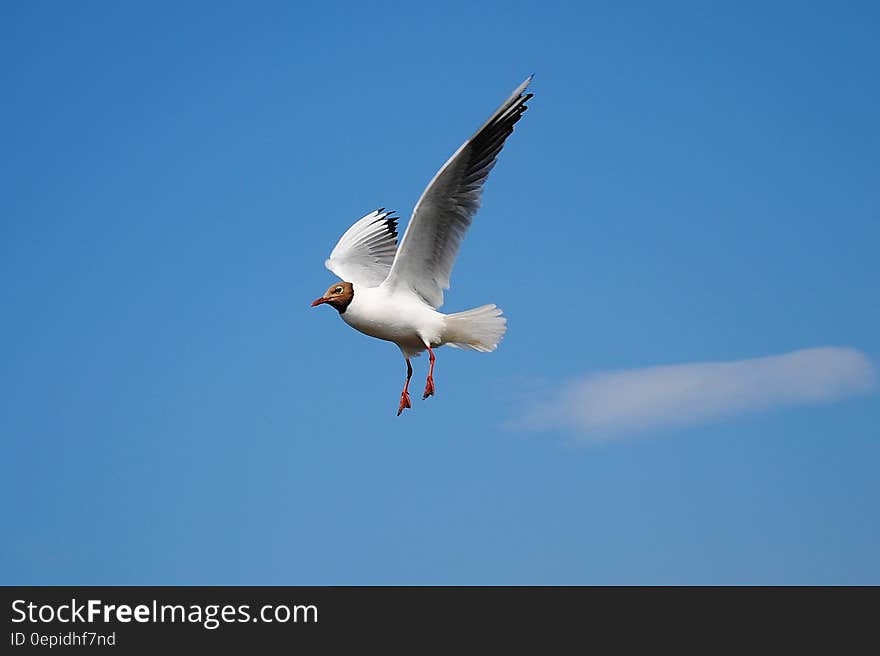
x=692, y=184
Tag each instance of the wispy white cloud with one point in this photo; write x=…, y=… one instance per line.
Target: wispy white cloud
x=611, y=403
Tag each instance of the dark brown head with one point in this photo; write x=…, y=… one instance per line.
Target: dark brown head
x=338, y=295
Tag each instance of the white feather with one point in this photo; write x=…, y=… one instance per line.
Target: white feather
x=444, y=212
x=365, y=252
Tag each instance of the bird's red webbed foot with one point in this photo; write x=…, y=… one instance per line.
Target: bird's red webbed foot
x=429, y=384
x=404, y=402
x=404, y=395
x=429, y=388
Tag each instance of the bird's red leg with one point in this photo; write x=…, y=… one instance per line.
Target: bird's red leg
x=429, y=385
x=404, y=397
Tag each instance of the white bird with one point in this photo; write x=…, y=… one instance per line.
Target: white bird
x=393, y=293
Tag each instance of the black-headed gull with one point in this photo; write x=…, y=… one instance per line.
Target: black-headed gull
x=393, y=293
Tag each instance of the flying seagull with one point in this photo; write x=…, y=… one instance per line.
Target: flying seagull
x=393, y=293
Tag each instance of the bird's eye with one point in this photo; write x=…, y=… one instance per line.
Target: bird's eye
x=338, y=290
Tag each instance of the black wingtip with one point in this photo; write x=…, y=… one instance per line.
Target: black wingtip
x=389, y=220
x=391, y=224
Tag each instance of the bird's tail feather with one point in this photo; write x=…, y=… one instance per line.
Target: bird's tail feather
x=479, y=329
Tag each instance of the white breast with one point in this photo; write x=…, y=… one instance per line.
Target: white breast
x=399, y=318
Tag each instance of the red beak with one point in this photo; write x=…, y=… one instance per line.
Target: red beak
x=318, y=301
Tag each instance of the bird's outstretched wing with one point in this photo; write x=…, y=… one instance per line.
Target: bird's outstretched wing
x=444, y=212
x=365, y=252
